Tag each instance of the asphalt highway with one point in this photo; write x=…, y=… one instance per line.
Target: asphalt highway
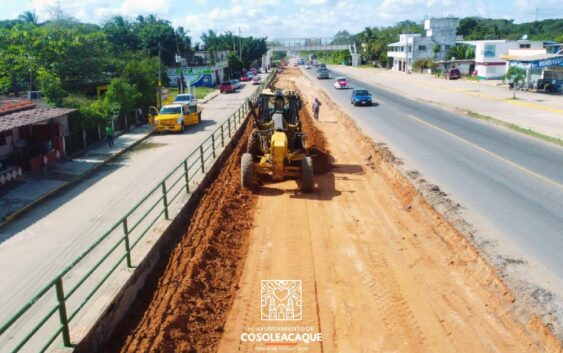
x=510, y=184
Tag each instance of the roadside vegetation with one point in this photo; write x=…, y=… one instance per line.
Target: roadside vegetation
x=102, y=70
x=515, y=127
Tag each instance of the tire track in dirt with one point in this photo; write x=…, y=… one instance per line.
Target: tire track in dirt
x=390, y=273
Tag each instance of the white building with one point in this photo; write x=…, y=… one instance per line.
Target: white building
x=489, y=55
x=440, y=36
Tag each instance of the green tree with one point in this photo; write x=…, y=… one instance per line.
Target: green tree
x=121, y=96
x=461, y=52
x=28, y=17
x=515, y=75
x=51, y=87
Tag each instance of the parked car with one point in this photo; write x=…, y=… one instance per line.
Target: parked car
x=183, y=98
x=236, y=83
x=341, y=83
x=226, y=87
x=452, y=74
x=245, y=78
x=256, y=80
x=307, y=66
x=361, y=96
x=250, y=75
x=323, y=74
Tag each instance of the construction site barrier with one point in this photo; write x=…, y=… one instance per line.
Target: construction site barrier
x=57, y=303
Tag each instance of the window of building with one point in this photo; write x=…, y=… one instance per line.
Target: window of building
x=2, y=139
x=409, y=48
x=422, y=47
x=525, y=46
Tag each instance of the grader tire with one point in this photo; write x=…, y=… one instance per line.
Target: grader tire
x=246, y=170
x=307, y=183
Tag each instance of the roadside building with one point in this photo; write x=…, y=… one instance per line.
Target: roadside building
x=489, y=61
x=440, y=35
x=465, y=66
x=30, y=138
x=543, y=71
x=207, y=69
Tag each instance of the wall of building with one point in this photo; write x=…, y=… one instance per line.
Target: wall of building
x=489, y=64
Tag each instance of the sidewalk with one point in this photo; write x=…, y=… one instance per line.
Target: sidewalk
x=36, y=187
x=539, y=112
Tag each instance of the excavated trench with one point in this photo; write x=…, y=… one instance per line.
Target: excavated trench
x=184, y=303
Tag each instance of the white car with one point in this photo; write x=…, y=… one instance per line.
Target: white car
x=341, y=83
x=183, y=98
x=236, y=84
x=307, y=66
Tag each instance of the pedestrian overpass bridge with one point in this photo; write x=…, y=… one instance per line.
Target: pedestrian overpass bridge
x=309, y=45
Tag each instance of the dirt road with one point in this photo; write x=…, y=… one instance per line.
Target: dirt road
x=363, y=264
x=380, y=270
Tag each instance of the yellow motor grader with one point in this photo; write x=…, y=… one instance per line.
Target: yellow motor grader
x=276, y=144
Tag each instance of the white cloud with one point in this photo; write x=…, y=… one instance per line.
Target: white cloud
x=98, y=10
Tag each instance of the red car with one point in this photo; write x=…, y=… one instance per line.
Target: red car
x=244, y=78
x=341, y=83
x=452, y=74
x=226, y=87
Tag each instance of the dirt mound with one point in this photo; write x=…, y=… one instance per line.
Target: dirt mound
x=183, y=307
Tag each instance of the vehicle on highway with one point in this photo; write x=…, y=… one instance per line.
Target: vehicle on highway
x=256, y=80
x=250, y=75
x=361, y=96
x=226, y=87
x=308, y=66
x=323, y=74
x=341, y=83
x=174, y=117
x=236, y=83
x=452, y=74
x=322, y=66
x=183, y=98
x=245, y=78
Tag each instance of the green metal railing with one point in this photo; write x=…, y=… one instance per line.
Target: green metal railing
x=112, y=249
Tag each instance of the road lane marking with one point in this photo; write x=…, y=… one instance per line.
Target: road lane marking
x=492, y=154
x=525, y=104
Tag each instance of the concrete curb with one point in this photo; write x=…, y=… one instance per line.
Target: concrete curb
x=211, y=96
x=15, y=215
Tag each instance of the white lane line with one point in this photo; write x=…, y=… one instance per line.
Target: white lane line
x=492, y=154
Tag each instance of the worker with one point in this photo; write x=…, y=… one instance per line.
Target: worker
x=109, y=135
x=316, y=107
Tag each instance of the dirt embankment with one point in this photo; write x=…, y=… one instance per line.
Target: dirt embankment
x=184, y=304
x=381, y=269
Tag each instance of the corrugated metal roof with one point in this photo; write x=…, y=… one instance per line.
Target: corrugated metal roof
x=534, y=57
x=31, y=116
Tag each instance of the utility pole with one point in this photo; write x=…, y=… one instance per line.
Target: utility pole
x=239, y=45
x=537, y=11
x=159, y=73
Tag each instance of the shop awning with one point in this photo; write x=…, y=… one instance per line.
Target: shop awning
x=31, y=116
x=542, y=60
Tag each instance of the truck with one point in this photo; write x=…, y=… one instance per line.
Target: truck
x=174, y=117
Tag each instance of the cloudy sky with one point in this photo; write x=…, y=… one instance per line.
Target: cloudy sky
x=287, y=18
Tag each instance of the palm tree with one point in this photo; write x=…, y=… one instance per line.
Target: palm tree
x=28, y=17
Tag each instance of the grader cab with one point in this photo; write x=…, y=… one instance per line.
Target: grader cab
x=276, y=145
